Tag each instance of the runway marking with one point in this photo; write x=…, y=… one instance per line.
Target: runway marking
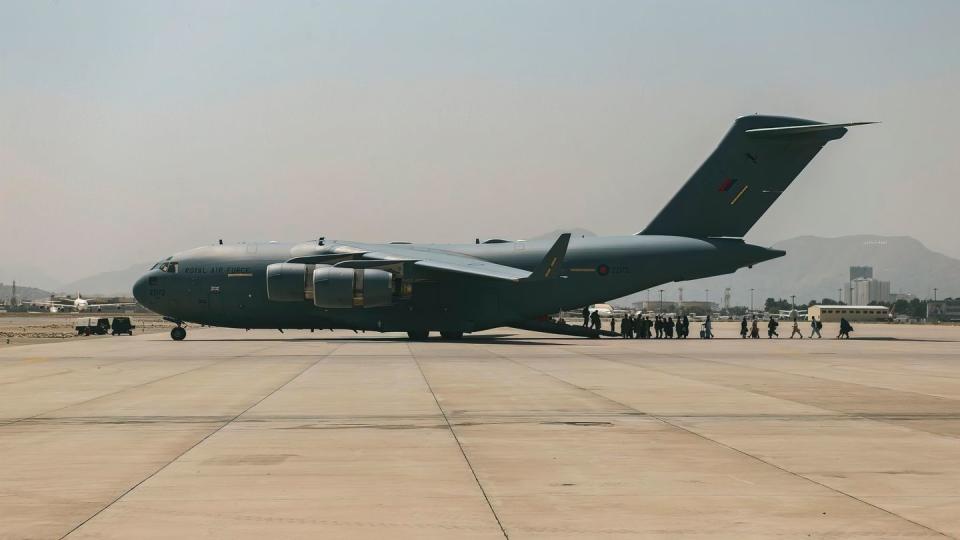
x=208, y=435
x=453, y=432
x=664, y=420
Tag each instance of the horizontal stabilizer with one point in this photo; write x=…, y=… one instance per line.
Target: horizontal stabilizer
x=792, y=130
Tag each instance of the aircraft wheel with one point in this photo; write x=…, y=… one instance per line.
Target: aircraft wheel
x=178, y=333
x=418, y=335
x=451, y=335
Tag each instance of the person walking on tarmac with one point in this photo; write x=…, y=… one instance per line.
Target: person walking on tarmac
x=685, y=323
x=595, y=319
x=845, y=329
x=586, y=316
x=613, y=325
x=815, y=327
x=755, y=330
x=669, y=327
x=708, y=328
x=743, y=328
x=796, y=330
x=772, y=328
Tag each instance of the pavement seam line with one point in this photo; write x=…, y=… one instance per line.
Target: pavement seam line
x=728, y=447
x=204, y=438
x=115, y=392
x=121, y=390
x=880, y=419
x=459, y=444
x=814, y=377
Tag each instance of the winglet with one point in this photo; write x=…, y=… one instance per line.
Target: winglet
x=549, y=267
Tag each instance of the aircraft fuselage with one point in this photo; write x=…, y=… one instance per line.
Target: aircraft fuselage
x=226, y=285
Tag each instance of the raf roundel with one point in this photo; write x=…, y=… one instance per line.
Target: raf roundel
x=603, y=269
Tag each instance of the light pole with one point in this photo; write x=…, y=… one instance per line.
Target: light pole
x=934, y=294
x=661, y=300
x=751, y=301
x=840, y=296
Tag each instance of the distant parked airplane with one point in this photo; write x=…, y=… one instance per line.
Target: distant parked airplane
x=78, y=304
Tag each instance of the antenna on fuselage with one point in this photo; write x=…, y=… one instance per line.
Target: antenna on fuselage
x=320, y=241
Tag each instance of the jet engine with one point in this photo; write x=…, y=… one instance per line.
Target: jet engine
x=289, y=282
x=335, y=287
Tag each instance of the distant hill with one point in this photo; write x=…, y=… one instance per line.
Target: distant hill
x=23, y=293
x=114, y=283
x=26, y=275
x=815, y=267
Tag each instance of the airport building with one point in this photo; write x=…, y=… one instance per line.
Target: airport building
x=850, y=313
x=943, y=310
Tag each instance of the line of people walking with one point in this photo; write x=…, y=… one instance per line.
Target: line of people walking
x=661, y=327
x=753, y=329
x=666, y=327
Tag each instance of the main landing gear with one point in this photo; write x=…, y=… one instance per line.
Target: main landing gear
x=421, y=335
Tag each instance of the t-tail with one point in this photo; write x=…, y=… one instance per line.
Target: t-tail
x=755, y=162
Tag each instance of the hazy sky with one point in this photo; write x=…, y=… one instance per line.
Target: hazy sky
x=130, y=130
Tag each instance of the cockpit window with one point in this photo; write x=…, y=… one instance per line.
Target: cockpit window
x=160, y=265
x=169, y=267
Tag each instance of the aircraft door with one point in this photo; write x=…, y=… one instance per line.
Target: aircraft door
x=215, y=299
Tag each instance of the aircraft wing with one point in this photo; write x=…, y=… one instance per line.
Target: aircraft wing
x=462, y=264
x=456, y=263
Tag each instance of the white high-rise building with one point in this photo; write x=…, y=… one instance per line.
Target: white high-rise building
x=862, y=292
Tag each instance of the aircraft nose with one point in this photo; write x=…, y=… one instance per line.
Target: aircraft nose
x=140, y=290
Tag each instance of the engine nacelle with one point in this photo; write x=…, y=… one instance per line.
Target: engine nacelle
x=289, y=282
x=335, y=287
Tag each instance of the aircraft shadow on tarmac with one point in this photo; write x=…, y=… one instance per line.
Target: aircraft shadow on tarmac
x=488, y=339
x=509, y=339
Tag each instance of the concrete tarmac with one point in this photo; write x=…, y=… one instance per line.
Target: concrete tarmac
x=234, y=434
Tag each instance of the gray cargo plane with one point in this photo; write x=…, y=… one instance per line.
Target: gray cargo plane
x=458, y=288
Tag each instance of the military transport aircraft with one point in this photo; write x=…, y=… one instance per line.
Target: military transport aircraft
x=458, y=288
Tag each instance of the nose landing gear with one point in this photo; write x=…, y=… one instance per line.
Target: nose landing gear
x=178, y=333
